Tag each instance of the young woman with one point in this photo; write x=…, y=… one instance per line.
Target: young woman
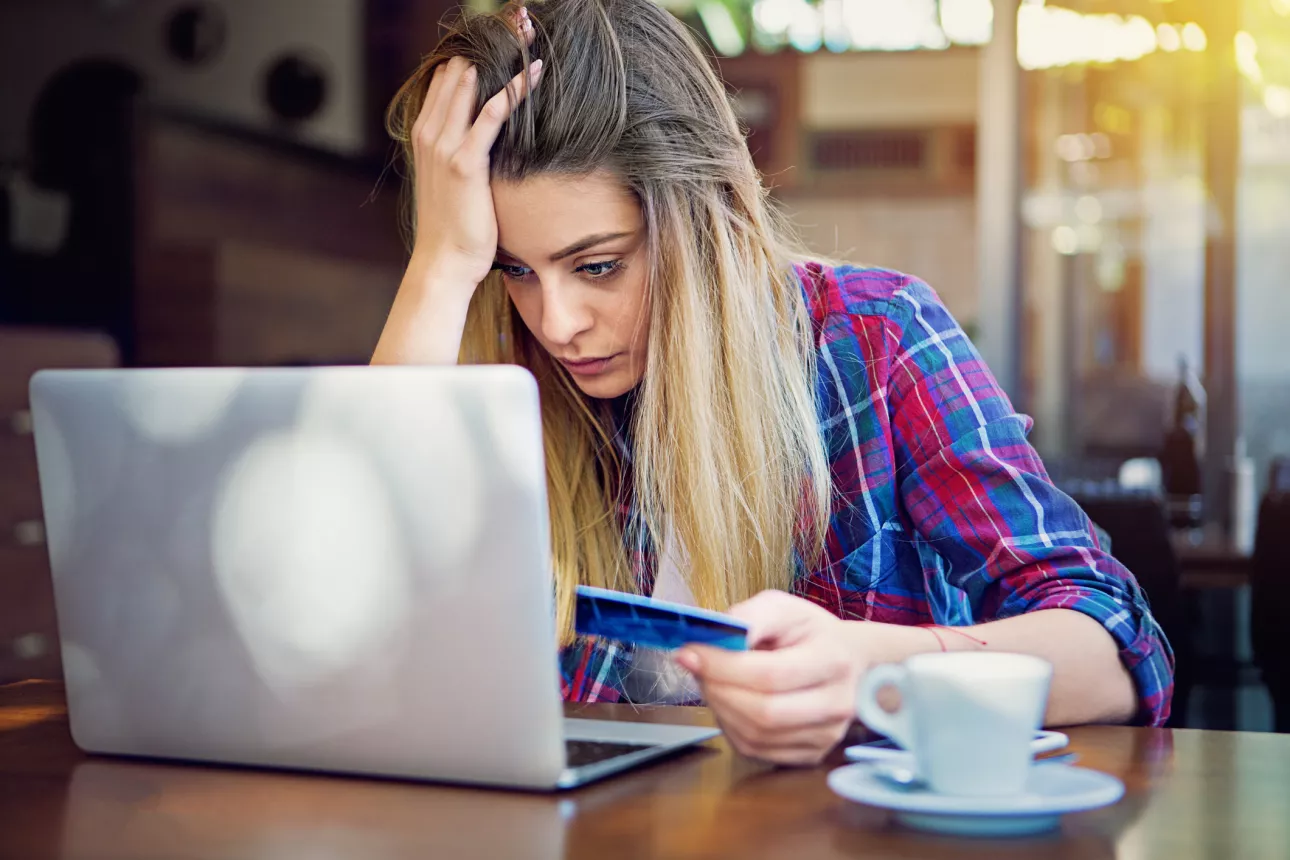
x=816, y=448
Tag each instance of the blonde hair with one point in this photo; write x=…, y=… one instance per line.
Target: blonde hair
x=727, y=455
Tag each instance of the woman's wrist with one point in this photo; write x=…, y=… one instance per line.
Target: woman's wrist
x=435, y=283
x=874, y=642
x=427, y=319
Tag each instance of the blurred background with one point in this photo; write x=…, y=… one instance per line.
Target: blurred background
x=1099, y=189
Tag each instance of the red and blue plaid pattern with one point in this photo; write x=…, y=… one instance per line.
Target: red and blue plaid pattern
x=943, y=512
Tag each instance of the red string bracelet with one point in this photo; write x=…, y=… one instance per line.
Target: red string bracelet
x=932, y=628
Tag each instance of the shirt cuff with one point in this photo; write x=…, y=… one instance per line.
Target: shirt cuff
x=1144, y=650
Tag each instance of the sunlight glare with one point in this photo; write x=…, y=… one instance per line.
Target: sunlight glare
x=1277, y=100
x=425, y=452
x=776, y=16
x=1194, y=38
x=1169, y=38
x=885, y=26
x=1065, y=240
x=1052, y=37
x=968, y=22
x=172, y=408
x=1247, y=58
x=307, y=554
x=1088, y=209
x=805, y=33
x=836, y=36
x=721, y=28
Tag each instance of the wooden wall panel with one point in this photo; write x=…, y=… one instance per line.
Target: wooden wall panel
x=201, y=185
x=252, y=252
x=278, y=306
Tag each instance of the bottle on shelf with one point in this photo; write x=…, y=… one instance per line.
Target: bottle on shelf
x=1183, y=450
x=1245, y=506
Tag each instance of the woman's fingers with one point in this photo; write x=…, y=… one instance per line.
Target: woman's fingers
x=780, y=671
x=432, y=92
x=526, y=27
x=789, y=728
x=443, y=87
x=780, y=715
x=444, y=119
x=456, y=119
x=805, y=747
x=498, y=109
x=806, y=755
x=523, y=24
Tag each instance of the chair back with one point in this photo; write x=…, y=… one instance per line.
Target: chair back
x=1138, y=525
x=1270, y=602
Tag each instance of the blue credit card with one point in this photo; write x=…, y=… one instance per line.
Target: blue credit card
x=649, y=623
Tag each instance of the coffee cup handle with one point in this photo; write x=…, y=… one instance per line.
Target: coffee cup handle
x=894, y=725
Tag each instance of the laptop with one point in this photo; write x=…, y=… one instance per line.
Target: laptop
x=340, y=569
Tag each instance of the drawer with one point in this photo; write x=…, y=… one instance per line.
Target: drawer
x=21, y=514
x=26, y=592
x=25, y=350
x=28, y=627
x=30, y=659
x=28, y=635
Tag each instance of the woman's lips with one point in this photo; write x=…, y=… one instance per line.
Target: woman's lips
x=587, y=366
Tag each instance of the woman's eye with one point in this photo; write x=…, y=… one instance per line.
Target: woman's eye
x=601, y=269
x=512, y=272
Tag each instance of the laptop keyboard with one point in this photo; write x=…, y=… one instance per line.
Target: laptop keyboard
x=582, y=753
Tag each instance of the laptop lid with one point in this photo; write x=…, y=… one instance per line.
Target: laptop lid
x=344, y=569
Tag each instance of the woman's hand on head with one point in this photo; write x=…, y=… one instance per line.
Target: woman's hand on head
x=791, y=698
x=456, y=227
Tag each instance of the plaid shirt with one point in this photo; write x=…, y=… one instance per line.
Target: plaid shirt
x=943, y=512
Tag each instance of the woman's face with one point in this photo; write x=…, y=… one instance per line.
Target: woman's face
x=572, y=255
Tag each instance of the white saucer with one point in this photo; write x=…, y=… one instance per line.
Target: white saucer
x=1051, y=790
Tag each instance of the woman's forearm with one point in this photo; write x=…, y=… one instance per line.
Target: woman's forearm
x=1090, y=683
x=426, y=320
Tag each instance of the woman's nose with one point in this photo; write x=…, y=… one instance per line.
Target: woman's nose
x=564, y=317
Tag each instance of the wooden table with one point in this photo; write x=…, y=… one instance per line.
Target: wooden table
x=1190, y=794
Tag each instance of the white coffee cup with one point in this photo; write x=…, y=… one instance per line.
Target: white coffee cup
x=968, y=718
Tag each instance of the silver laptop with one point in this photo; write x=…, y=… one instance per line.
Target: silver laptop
x=343, y=569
